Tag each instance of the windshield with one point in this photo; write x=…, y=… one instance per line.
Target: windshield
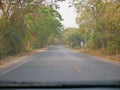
x=60, y=42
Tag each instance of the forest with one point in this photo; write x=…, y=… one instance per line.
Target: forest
x=26, y=25
x=29, y=24
x=99, y=26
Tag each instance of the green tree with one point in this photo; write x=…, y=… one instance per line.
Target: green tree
x=26, y=25
x=72, y=37
x=43, y=23
x=100, y=19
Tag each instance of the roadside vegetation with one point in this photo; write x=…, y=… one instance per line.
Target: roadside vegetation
x=99, y=28
x=29, y=24
x=26, y=25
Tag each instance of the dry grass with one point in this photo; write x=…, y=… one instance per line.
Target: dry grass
x=12, y=59
x=115, y=58
x=98, y=53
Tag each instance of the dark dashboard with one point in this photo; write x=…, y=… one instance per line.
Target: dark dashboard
x=86, y=85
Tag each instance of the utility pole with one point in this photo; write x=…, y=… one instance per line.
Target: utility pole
x=85, y=38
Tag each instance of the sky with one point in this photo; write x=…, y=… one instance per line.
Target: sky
x=68, y=14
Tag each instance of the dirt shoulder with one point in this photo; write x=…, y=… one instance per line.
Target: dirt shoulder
x=115, y=58
x=17, y=58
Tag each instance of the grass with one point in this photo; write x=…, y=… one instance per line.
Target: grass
x=98, y=53
x=11, y=59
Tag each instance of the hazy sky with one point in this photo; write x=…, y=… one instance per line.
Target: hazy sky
x=68, y=14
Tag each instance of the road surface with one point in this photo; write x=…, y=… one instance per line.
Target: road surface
x=58, y=63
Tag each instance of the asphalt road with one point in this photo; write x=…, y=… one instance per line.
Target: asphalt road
x=58, y=63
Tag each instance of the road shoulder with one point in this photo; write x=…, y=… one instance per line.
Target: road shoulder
x=18, y=58
x=104, y=58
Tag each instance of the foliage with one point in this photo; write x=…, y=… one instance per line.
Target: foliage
x=101, y=20
x=43, y=22
x=28, y=26
x=72, y=37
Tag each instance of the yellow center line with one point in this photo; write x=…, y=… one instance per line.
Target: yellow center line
x=77, y=68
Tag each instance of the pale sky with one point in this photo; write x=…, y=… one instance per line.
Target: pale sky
x=68, y=14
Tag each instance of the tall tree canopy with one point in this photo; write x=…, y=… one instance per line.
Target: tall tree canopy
x=101, y=20
x=25, y=25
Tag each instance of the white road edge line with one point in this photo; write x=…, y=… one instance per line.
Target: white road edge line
x=14, y=67
x=99, y=59
x=18, y=65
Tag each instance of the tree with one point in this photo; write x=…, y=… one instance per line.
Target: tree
x=101, y=18
x=72, y=37
x=43, y=23
x=27, y=25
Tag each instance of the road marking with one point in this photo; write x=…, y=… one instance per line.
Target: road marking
x=16, y=66
x=11, y=69
x=77, y=68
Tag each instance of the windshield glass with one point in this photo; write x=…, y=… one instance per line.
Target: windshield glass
x=60, y=41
